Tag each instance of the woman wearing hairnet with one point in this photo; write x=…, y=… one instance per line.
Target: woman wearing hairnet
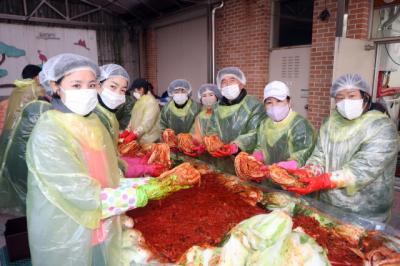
x=354, y=160
x=75, y=189
x=237, y=115
x=208, y=95
x=180, y=112
x=145, y=118
x=285, y=137
x=114, y=82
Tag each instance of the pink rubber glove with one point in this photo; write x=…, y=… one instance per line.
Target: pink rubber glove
x=144, y=170
x=134, y=160
x=155, y=169
x=259, y=155
x=288, y=165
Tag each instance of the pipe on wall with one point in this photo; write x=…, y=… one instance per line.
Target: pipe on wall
x=213, y=39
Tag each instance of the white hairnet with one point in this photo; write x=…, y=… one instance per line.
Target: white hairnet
x=276, y=89
x=113, y=70
x=45, y=83
x=349, y=81
x=179, y=84
x=209, y=87
x=230, y=71
x=60, y=65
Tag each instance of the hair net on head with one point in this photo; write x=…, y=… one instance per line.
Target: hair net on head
x=113, y=70
x=209, y=87
x=349, y=81
x=230, y=71
x=179, y=84
x=60, y=65
x=45, y=83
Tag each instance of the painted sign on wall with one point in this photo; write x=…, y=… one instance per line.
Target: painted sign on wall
x=22, y=44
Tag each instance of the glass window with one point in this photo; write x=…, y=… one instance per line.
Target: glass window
x=386, y=22
x=292, y=20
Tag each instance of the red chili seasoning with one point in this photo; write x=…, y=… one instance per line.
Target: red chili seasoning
x=338, y=249
x=197, y=216
x=204, y=215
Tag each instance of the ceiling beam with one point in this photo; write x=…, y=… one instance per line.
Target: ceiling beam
x=101, y=7
x=144, y=2
x=25, y=8
x=35, y=9
x=86, y=13
x=67, y=9
x=55, y=9
x=59, y=21
x=130, y=11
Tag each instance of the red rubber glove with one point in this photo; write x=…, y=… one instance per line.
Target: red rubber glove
x=197, y=151
x=265, y=169
x=131, y=137
x=226, y=150
x=315, y=183
x=300, y=173
x=124, y=134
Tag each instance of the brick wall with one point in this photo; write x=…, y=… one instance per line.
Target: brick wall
x=242, y=40
x=322, y=51
x=150, y=50
x=321, y=64
x=358, y=19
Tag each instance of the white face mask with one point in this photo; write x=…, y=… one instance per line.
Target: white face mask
x=231, y=92
x=180, y=98
x=112, y=99
x=81, y=101
x=350, y=109
x=209, y=100
x=137, y=95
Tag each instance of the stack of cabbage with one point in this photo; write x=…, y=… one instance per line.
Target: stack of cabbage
x=265, y=239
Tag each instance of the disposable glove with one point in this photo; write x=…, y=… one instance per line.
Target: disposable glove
x=288, y=165
x=197, y=151
x=315, y=183
x=226, y=150
x=139, y=170
x=259, y=155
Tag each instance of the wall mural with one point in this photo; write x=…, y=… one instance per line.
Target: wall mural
x=8, y=51
x=39, y=44
x=82, y=43
x=42, y=57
